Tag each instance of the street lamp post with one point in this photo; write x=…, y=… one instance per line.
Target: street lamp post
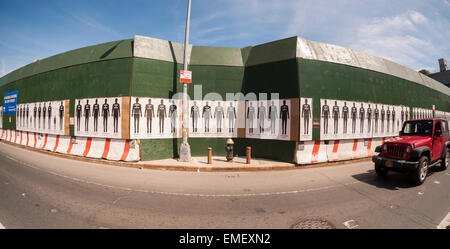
x=185, y=149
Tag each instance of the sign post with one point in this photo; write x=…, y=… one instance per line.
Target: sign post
x=185, y=76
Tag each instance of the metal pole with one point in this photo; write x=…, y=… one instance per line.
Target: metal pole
x=185, y=151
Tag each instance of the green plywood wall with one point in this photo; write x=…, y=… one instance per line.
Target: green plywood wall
x=109, y=78
x=154, y=78
x=320, y=79
x=276, y=77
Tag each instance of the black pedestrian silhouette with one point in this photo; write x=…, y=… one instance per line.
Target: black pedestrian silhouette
x=95, y=114
x=325, y=116
x=116, y=114
x=61, y=115
x=149, y=114
x=306, y=115
x=136, y=113
x=105, y=115
x=79, y=109
x=284, y=115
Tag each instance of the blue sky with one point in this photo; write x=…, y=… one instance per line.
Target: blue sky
x=414, y=33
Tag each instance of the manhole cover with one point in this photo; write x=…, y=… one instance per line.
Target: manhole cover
x=312, y=224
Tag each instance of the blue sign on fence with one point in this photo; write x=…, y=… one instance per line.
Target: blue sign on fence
x=10, y=102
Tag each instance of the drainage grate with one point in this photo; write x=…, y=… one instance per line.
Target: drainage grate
x=312, y=224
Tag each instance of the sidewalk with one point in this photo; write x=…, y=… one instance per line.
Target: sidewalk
x=218, y=164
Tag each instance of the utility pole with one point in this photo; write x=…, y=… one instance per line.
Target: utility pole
x=185, y=149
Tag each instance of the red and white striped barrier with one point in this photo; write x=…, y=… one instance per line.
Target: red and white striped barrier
x=336, y=150
x=310, y=152
x=111, y=149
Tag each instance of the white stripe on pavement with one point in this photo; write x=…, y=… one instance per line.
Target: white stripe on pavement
x=445, y=222
x=1, y=226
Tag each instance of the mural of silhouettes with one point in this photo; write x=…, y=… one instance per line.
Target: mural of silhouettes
x=261, y=117
x=383, y=114
x=173, y=115
x=108, y=109
x=136, y=113
x=219, y=115
x=149, y=114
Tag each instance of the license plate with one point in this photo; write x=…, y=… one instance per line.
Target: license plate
x=389, y=164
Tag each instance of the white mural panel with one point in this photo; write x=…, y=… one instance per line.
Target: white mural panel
x=155, y=118
x=306, y=119
x=42, y=117
x=98, y=117
x=213, y=118
x=268, y=119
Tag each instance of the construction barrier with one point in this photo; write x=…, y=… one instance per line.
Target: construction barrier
x=101, y=148
x=311, y=152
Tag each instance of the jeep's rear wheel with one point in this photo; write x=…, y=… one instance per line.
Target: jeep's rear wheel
x=446, y=159
x=381, y=170
x=421, y=172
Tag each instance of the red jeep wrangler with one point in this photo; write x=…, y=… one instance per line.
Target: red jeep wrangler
x=422, y=143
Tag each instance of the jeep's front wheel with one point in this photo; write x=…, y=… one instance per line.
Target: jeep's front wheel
x=381, y=170
x=446, y=159
x=421, y=172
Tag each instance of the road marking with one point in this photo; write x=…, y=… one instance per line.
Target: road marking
x=445, y=222
x=437, y=182
x=350, y=224
x=185, y=194
x=420, y=193
x=1, y=226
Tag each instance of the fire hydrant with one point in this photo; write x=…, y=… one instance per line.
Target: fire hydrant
x=229, y=150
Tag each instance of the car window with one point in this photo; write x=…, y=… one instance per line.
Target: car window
x=445, y=127
x=420, y=128
x=437, y=127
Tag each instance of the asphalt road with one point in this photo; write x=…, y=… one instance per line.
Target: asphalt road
x=42, y=191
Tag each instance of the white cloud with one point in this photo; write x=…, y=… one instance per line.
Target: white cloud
x=404, y=38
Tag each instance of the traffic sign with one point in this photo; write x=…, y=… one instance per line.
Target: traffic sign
x=185, y=76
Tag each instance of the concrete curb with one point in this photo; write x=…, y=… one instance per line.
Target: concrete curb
x=140, y=165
